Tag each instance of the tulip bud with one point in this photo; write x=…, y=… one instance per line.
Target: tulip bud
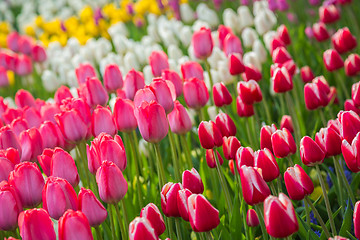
x=83, y=72
x=172, y=76
x=282, y=81
x=352, y=65
x=280, y=55
x=276, y=208
x=249, y=92
x=252, y=219
x=74, y=225
x=225, y=124
x=314, y=96
x=310, y=152
x=182, y=197
x=164, y=92
x=306, y=74
x=232, y=44
x=283, y=34
x=38, y=53
x=24, y=98
x=329, y=141
x=23, y=65
x=36, y=224
x=133, y=81
x=202, y=43
x=265, y=136
x=210, y=158
x=124, y=107
x=251, y=72
x=349, y=124
x=195, y=93
x=151, y=213
x=320, y=32
x=93, y=92
x=28, y=182
x=179, y=120
x=349, y=105
x=102, y=121
x=254, y=188
x=230, y=146
x=223, y=31
x=236, y=64
x=4, y=77
x=91, y=207
x=45, y=160
x=158, y=61
x=111, y=182
x=298, y=183
x=221, y=95
x=63, y=166
x=191, y=70
x=169, y=199
x=113, y=79
x=62, y=93
x=192, y=181
x=350, y=153
x=286, y=122
x=264, y=160
x=329, y=14
x=209, y=135
x=11, y=206
x=12, y=41
x=140, y=228
x=72, y=125
x=244, y=110
x=283, y=143
x=343, y=41
x=332, y=60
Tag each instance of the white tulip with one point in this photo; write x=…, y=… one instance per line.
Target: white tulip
x=143, y=147
x=212, y=111
x=186, y=12
x=153, y=32
x=246, y=19
x=252, y=58
x=249, y=36
x=259, y=6
x=185, y=35
x=148, y=76
x=199, y=24
x=120, y=44
x=224, y=73
x=174, y=66
x=71, y=79
x=265, y=21
x=50, y=81
x=260, y=50
x=174, y=52
x=206, y=14
x=130, y=61
x=118, y=29
x=168, y=38
x=216, y=56
x=151, y=18
x=215, y=38
x=231, y=20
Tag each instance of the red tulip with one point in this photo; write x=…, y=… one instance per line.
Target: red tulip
x=334, y=124
x=249, y=92
x=202, y=43
x=280, y=55
x=58, y=196
x=62, y=93
x=254, y=188
x=232, y=44
x=164, y=92
x=343, y=41
x=32, y=144
x=244, y=110
x=282, y=81
x=286, y=122
x=24, y=98
x=209, y=135
x=332, y=60
x=10, y=206
x=350, y=152
x=251, y=72
x=133, y=81
x=10, y=114
x=35, y=224
x=315, y=96
x=352, y=65
x=84, y=72
x=72, y=125
x=210, y=158
x=63, y=166
x=283, y=143
x=225, y=124
x=329, y=14
x=244, y=157
x=74, y=225
x=236, y=64
x=355, y=93
x=45, y=160
x=349, y=124
x=113, y=79
x=158, y=61
x=182, y=197
x=223, y=31
x=172, y=76
x=203, y=216
x=111, y=182
x=310, y=152
x=151, y=213
x=195, y=93
x=192, y=181
x=169, y=199
x=265, y=136
x=230, y=146
x=283, y=34
x=329, y=141
x=306, y=74
x=356, y=219
x=275, y=43
x=280, y=218
x=265, y=160
x=320, y=32
x=124, y=107
x=221, y=95
x=298, y=183
x=140, y=228
x=19, y=125
x=191, y=70
x=152, y=122
x=252, y=219
x=28, y=182
x=179, y=120
x=91, y=207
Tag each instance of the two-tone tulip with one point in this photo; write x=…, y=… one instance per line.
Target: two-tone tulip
x=298, y=183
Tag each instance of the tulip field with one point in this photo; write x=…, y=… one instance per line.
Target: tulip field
x=179, y=120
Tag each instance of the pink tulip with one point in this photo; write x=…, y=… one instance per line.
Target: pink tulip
x=320, y=32
x=102, y=121
x=10, y=206
x=352, y=65
x=179, y=120
x=51, y=135
x=230, y=146
x=8, y=139
x=191, y=70
x=350, y=152
x=173, y=77
x=169, y=203
x=140, y=228
x=210, y=158
x=113, y=79
x=151, y=213
x=63, y=166
x=195, y=93
x=244, y=110
x=265, y=136
x=343, y=41
x=232, y=44
x=32, y=144
x=93, y=209
x=164, y=92
x=202, y=43
x=182, y=197
x=349, y=124
x=158, y=61
x=209, y=135
x=252, y=219
x=133, y=81
x=24, y=98
x=306, y=74
x=62, y=93
x=93, y=92
x=23, y=65
x=332, y=60
x=124, y=107
x=329, y=141
x=329, y=14
x=223, y=31
x=83, y=72
x=192, y=181
x=225, y=124
x=74, y=225
x=45, y=160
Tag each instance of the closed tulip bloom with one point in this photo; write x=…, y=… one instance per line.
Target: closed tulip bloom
x=51, y=135
x=28, y=182
x=223, y=31
x=352, y=65
x=93, y=92
x=315, y=96
x=282, y=81
x=306, y=74
x=355, y=93
x=172, y=76
x=329, y=14
x=356, y=219
x=74, y=225
x=169, y=199
x=191, y=70
x=349, y=124
x=164, y=92
x=10, y=206
x=251, y=72
x=244, y=157
x=93, y=209
x=19, y=125
x=283, y=34
x=249, y=92
x=83, y=72
x=6, y=166
x=158, y=61
x=202, y=43
x=286, y=122
x=349, y=105
x=279, y=216
x=329, y=141
x=254, y=188
x=62, y=93
x=45, y=160
x=332, y=60
x=24, y=98
x=265, y=136
x=102, y=121
x=280, y=55
x=32, y=116
x=232, y=44
x=111, y=182
x=58, y=196
x=8, y=139
x=72, y=125
x=343, y=41
x=265, y=160
x=283, y=143
x=275, y=43
x=221, y=95
x=151, y=213
x=124, y=115
x=203, y=216
x=63, y=166
x=252, y=219
x=244, y=110
x=23, y=65
x=350, y=152
x=25, y=44
x=140, y=228
x=12, y=41
x=210, y=158
x=145, y=94
x=179, y=120
x=298, y=183
x=35, y=224
x=152, y=122
x=133, y=81
x=4, y=77
x=230, y=146
x=10, y=114
x=38, y=53
x=192, y=181
x=182, y=197
x=310, y=152
x=209, y=135
x=113, y=79
x=195, y=93
x=320, y=32
x=236, y=64
x=225, y=124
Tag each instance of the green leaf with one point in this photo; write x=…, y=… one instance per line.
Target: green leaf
x=347, y=222
x=305, y=231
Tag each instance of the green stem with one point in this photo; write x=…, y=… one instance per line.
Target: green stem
x=327, y=203
x=83, y=160
x=122, y=228
x=307, y=213
x=273, y=190
x=111, y=216
x=278, y=182
x=178, y=228
x=347, y=186
x=160, y=166
x=126, y=219
x=318, y=217
x=136, y=145
x=340, y=80
x=251, y=141
x=200, y=114
x=209, y=236
x=340, y=184
x=242, y=206
x=187, y=151
x=267, y=111
x=98, y=233
x=174, y=157
x=290, y=161
x=321, y=112
x=262, y=224
x=291, y=109
x=201, y=236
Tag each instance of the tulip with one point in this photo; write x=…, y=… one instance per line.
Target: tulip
x=10, y=206
x=192, y=181
x=25, y=44
x=350, y=152
x=24, y=98
x=275, y=43
x=124, y=107
x=265, y=136
x=32, y=144
x=252, y=219
x=51, y=135
x=158, y=61
x=283, y=34
x=202, y=43
x=93, y=92
x=223, y=31
x=169, y=199
x=151, y=213
x=91, y=207
x=332, y=60
x=329, y=14
x=225, y=124
x=28, y=182
x=306, y=74
x=352, y=65
x=310, y=152
x=182, y=197
x=4, y=77
x=55, y=205
x=230, y=146
x=356, y=219
x=349, y=105
x=320, y=32
x=298, y=183
x=236, y=64
x=102, y=121
x=191, y=70
x=315, y=96
x=111, y=182
x=209, y=135
x=45, y=160
x=355, y=93
x=74, y=225
x=164, y=92
x=19, y=125
x=334, y=124
x=133, y=81
x=282, y=80
x=281, y=55
x=286, y=122
x=329, y=140
x=349, y=124
x=145, y=94
x=232, y=44
x=221, y=95
x=251, y=72
x=23, y=65
x=12, y=41
x=152, y=122
x=195, y=93
x=249, y=92
x=36, y=224
x=280, y=218
x=179, y=120
x=84, y=72
x=210, y=158
x=63, y=166
x=62, y=93
x=283, y=143
x=172, y=76
x=343, y=41
x=113, y=79
x=244, y=157
x=10, y=114
x=38, y=53
x=140, y=228
x=6, y=166
x=265, y=160
x=8, y=139
x=72, y=125
x=254, y=188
